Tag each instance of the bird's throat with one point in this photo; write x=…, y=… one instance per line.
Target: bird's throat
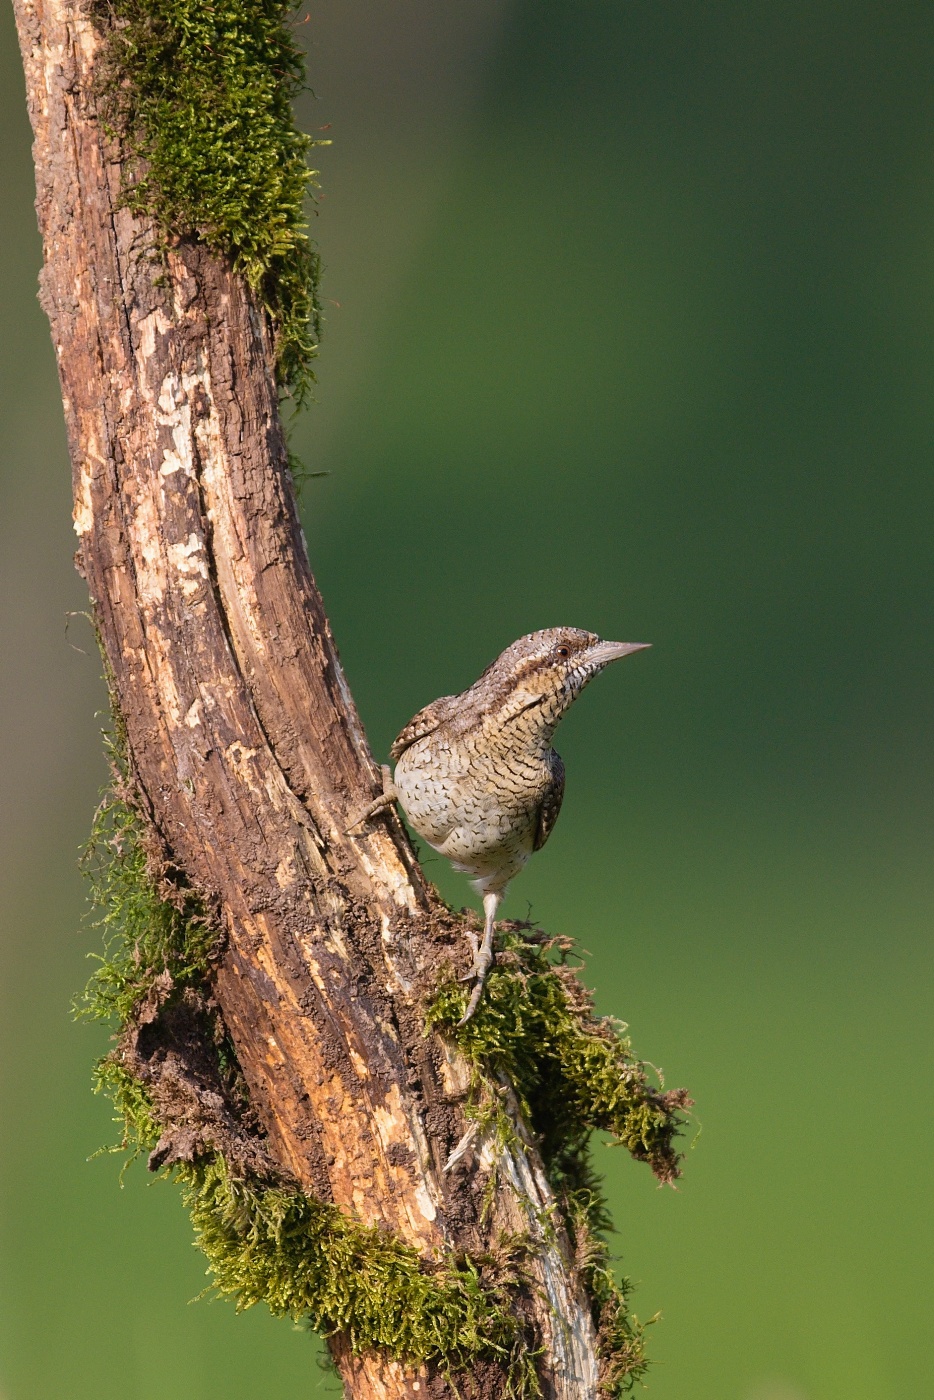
x=529, y=728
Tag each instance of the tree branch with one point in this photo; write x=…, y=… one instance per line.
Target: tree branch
x=246, y=765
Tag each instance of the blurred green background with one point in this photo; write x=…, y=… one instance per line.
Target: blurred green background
x=631, y=327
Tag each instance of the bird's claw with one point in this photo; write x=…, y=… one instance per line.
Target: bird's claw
x=482, y=956
x=380, y=804
x=477, y=975
x=474, y=942
x=473, y=1003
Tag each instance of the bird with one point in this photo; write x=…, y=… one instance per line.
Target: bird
x=476, y=774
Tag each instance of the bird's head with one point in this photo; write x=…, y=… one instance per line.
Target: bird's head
x=541, y=675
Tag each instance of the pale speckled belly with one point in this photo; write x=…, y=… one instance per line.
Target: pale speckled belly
x=481, y=815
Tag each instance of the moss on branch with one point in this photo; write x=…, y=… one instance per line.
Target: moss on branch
x=307, y=1260
x=573, y=1073
x=201, y=97
x=268, y=1242
x=153, y=926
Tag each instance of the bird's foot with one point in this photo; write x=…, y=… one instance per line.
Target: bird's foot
x=483, y=956
x=474, y=941
x=473, y=1003
x=477, y=975
x=380, y=804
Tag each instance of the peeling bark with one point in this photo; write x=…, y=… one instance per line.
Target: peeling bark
x=244, y=737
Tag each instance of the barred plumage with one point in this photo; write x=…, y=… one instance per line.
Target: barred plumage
x=476, y=774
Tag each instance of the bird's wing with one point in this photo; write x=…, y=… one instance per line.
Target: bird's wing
x=551, y=803
x=425, y=722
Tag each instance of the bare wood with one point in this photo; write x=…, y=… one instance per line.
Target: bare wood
x=243, y=733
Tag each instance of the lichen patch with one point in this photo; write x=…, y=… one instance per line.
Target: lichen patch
x=83, y=514
x=149, y=327
x=189, y=559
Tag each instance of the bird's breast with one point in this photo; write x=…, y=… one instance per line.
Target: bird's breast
x=470, y=802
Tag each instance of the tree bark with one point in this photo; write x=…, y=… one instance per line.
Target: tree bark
x=243, y=735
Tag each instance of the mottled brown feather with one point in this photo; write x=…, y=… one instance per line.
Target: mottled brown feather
x=425, y=722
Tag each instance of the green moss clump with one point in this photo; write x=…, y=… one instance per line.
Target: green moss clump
x=141, y=1130
x=201, y=95
x=147, y=935
x=620, y=1334
x=573, y=1073
x=306, y=1260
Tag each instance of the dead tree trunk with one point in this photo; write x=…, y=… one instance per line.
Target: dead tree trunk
x=243, y=735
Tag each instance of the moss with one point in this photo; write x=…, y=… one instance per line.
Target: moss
x=620, y=1334
x=201, y=96
x=573, y=1073
x=306, y=1259
x=270, y=1243
x=135, y=1112
x=154, y=927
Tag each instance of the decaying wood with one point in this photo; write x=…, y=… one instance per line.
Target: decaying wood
x=243, y=733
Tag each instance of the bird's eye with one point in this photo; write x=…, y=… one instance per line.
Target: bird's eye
x=563, y=652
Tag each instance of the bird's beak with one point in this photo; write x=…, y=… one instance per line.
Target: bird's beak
x=602, y=653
